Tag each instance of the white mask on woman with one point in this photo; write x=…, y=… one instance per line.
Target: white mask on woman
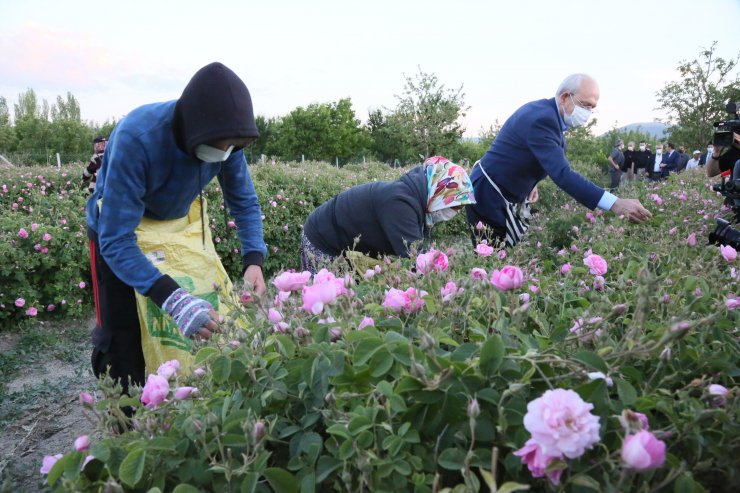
x=642, y=147
x=443, y=215
x=210, y=154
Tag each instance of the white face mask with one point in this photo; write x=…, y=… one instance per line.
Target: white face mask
x=443, y=215
x=642, y=148
x=658, y=151
x=630, y=148
x=710, y=150
x=210, y=154
x=578, y=118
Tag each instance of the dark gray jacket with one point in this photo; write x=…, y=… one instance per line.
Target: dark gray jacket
x=385, y=215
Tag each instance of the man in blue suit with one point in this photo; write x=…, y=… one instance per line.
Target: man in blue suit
x=670, y=161
x=530, y=147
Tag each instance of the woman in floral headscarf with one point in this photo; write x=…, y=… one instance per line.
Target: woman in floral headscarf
x=385, y=218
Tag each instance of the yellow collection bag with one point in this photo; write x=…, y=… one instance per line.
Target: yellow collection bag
x=177, y=248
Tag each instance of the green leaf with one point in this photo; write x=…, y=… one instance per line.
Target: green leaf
x=586, y=481
x=249, y=485
x=154, y=490
x=185, y=488
x=685, y=484
x=510, y=486
x=281, y=480
x=308, y=483
x=221, y=369
x=452, y=459
x=204, y=355
x=132, y=467
x=381, y=363
x=100, y=450
x=366, y=349
x=492, y=355
x=591, y=359
x=627, y=393
x=326, y=466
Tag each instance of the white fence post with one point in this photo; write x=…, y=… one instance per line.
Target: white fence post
x=59, y=161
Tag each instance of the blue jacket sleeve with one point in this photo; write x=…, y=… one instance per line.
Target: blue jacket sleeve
x=543, y=140
x=121, y=212
x=243, y=204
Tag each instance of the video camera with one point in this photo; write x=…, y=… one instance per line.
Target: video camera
x=724, y=234
x=723, y=130
x=730, y=189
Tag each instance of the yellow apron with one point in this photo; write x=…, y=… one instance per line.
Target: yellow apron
x=177, y=248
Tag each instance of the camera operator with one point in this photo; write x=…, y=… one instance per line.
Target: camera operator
x=720, y=161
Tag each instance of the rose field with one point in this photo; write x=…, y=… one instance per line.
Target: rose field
x=597, y=355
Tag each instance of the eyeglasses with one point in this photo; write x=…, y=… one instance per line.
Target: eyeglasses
x=582, y=104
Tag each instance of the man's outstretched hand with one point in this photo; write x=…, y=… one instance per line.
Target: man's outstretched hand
x=632, y=209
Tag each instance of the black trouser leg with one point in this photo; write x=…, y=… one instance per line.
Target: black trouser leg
x=117, y=337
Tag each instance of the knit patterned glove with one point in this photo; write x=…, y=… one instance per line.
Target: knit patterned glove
x=189, y=313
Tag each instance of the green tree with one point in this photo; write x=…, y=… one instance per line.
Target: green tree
x=387, y=142
x=321, y=132
x=582, y=146
x=698, y=97
x=429, y=113
x=32, y=127
x=7, y=131
x=68, y=135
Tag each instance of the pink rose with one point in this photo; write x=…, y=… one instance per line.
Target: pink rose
x=729, y=253
x=318, y=295
x=168, y=369
x=599, y=283
x=395, y=300
x=87, y=400
x=716, y=389
x=479, y=225
x=155, y=391
x=46, y=237
x=32, y=311
x=473, y=410
x=274, y=316
x=691, y=240
x=643, y=451
x=292, y=281
x=414, y=300
x=596, y=264
x=366, y=322
x=565, y=268
x=23, y=233
x=502, y=254
x=231, y=224
x=369, y=274
x=82, y=443
x=562, y=424
x=510, y=277
x=483, y=250
x=433, y=260
x=48, y=462
x=20, y=302
x=732, y=302
x=478, y=274
x=449, y=291
x=184, y=392
x=537, y=461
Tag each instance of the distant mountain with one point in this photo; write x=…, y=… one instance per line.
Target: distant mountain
x=656, y=129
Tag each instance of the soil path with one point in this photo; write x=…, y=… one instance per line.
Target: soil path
x=40, y=413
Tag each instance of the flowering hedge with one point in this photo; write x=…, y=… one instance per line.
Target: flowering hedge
x=595, y=356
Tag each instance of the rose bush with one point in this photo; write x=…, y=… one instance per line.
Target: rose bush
x=378, y=383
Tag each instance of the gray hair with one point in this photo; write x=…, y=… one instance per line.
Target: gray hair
x=571, y=83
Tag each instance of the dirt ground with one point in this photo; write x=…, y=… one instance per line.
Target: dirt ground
x=40, y=413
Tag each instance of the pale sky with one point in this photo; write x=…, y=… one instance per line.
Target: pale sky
x=115, y=56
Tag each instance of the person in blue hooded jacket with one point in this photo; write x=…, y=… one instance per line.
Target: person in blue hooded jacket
x=531, y=146
x=157, y=162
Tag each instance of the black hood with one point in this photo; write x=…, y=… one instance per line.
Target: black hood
x=214, y=105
